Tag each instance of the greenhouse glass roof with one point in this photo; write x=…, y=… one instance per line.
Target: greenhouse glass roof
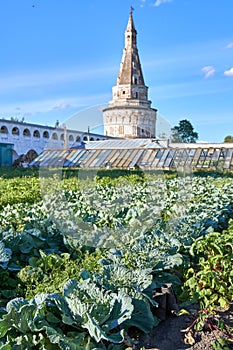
x=142, y=156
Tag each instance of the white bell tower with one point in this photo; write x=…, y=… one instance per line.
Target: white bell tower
x=129, y=114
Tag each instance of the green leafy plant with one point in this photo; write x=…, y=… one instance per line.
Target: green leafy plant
x=84, y=317
x=50, y=272
x=119, y=239
x=209, y=280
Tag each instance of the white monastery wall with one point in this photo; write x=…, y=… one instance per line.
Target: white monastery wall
x=26, y=137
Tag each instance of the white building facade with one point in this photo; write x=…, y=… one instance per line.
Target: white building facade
x=26, y=137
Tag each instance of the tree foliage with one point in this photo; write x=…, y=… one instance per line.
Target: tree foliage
x=228, y=138
x=16, y=119
x=184, y=132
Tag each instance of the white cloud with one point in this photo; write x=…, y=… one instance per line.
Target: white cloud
x=53, y=104
x=229, y=46
x=142, y=3
x=229, y=72
x=52, y=77
x=62, y=106
x=159, y=2
x=209, y=71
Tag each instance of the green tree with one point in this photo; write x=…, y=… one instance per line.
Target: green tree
x=228, y=138
x=16, y=119
x=184, y=132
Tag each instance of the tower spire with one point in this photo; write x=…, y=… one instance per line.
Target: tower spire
x=131, y=15
x=129, y=113
x=130, y=69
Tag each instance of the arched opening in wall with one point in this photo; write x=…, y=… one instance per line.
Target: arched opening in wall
x=4, y=130
x=85, y=138
x=78, y=139
x=36, y=134
x=92, y=139
x=26, y=132
x=62, y=137
x=135, y=81
x=54, y=136
x=71, y=138
x=45, y=135
x=30, y=155
x=97, y=139
x=15, y=131
x=24, y=159
x=136, y=95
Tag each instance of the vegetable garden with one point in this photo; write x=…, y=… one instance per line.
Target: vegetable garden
x=81, y=259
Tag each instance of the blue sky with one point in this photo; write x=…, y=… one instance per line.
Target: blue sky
x=59, y=57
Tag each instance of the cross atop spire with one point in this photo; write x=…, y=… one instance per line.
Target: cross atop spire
x=131, y=10
x=130, y=26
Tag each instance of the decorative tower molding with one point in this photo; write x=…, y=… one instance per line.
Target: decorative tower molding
x=129, y=114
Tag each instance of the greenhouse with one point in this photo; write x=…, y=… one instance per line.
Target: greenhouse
x=142, y=154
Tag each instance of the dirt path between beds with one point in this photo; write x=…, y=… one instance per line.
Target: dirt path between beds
x=168, y=334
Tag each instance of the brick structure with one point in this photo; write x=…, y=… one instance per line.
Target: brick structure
x=129, y=114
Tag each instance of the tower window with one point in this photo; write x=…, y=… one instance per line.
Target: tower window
x=135, y=81
x=123, y=92
x=121, y=129
x=136, y=95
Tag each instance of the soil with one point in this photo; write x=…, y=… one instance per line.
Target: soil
x=169, y=334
